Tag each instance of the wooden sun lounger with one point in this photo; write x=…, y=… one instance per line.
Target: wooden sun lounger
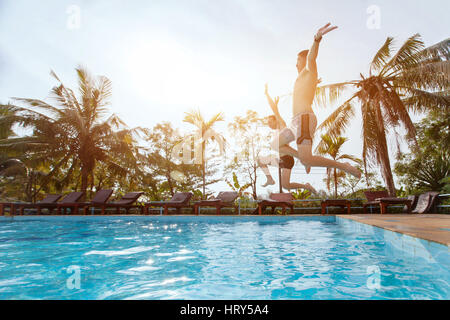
x=343, y=203
x=283, y=200
x=100, y=198
x=179, y=200
x=10, y=205
x=382, y=199
x=224, y=199
x=49, y=203
x=126, y=202
x=413, y=199
x=426, y=202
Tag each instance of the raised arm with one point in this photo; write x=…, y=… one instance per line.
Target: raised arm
x=314, y=51
x=274, y=107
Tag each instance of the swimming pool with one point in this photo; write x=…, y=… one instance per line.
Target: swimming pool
x=182, y=257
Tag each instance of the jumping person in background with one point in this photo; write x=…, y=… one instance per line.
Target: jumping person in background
x=284, y=161
x=304, y=121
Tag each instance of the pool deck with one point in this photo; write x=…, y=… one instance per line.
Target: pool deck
x=431, y=227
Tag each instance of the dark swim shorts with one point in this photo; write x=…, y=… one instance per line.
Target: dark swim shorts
x=287, y=162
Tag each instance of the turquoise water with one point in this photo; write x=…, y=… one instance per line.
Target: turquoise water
x=211, y=258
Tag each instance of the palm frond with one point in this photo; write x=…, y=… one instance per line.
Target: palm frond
x=406, y=56
x=433, y=76
x=440, y=50
x=422, y=101
x=350, y=157
x=381, y=56
x=328, y=94
x=338, y=121
x=195, y=118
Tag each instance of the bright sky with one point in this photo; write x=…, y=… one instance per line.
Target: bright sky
x=166, y=57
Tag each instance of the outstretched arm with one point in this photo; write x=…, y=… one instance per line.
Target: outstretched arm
x=314, y=51
x=274, y=107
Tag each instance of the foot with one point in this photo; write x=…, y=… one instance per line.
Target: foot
x=308, y=170
x=270, y=182
x=352, y=170
x=310, y=188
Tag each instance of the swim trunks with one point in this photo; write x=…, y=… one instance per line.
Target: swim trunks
x=304, y=126
x=287, y=162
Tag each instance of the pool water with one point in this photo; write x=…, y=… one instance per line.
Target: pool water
x=210, y=258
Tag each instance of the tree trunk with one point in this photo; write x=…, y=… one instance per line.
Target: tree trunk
x=169, y=181
x=255, y=194
x=335, y=183
x=387, y=175
x=383, y=155
x=204, y=171
x=84, y=181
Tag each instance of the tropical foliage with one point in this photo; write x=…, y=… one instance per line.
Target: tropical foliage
x=429, y=162
x=202, y=136
x=71, y=137
x=331, y=146
x=251, y=140
x=413, y=79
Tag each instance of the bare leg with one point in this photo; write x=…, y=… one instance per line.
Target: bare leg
x=287, y=184
x=263, y=163
x=286, y=149
x=308, y=159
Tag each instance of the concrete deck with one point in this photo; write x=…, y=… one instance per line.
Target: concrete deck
x=431, y=227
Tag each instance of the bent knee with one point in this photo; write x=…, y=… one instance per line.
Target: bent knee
x=286, y=186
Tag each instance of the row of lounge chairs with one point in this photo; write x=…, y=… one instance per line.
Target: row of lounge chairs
x=71, y=202
x=413, y=204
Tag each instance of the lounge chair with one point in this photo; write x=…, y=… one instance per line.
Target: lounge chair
x=10, y=205
x=100, y=198
x=224, y=199
x=283, y=200
x=426, y=202
x=342, y=203
x=126, y=202
x=382, y=199
x=49, y=203
x=413, y=199
x=179, y=200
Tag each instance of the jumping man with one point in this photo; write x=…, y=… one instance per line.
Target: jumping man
x=285, y=161
x=304, y=121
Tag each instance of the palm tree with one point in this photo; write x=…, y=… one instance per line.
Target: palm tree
x=74, y=136
x=204, y=133
x=331, y=146
x=412, y=79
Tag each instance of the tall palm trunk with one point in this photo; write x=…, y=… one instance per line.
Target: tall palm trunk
x=386, y=170
x=255, y=196
x=84, y=180
x=383, y=154
x=204, y=170
x=335, y=183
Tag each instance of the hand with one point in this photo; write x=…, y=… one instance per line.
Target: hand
x=277, y=99
x=323, y=31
